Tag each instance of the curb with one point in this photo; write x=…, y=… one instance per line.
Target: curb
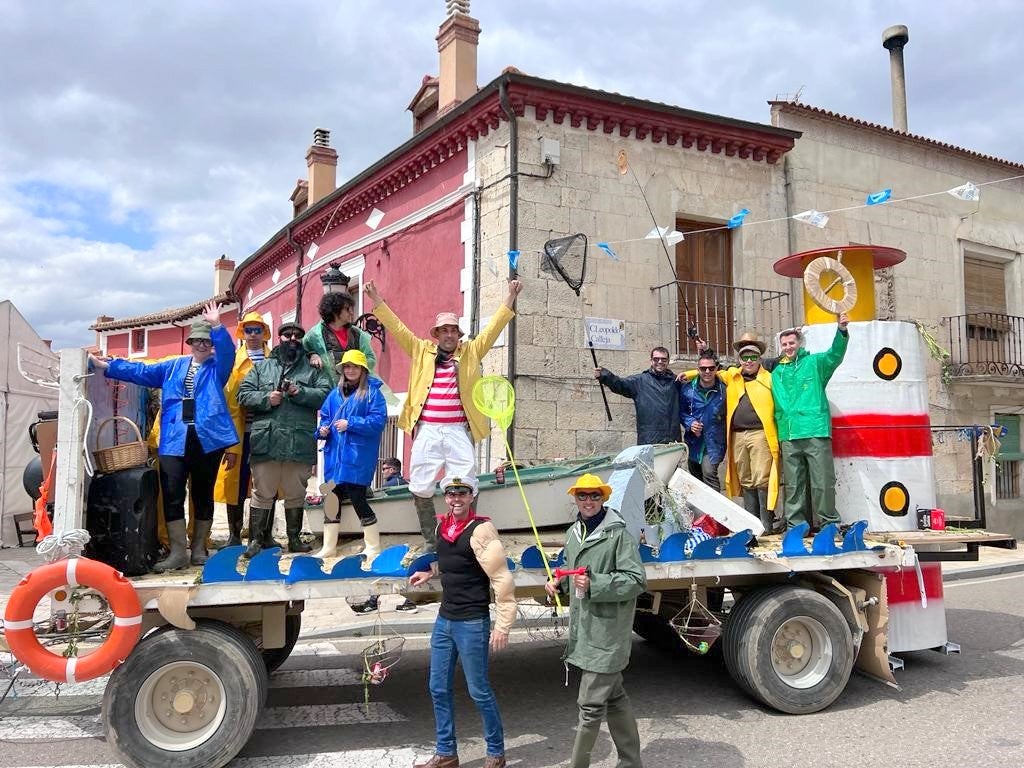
x=981, y=571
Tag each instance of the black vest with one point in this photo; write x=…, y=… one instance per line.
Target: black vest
x=466, y=589
x=334, y=347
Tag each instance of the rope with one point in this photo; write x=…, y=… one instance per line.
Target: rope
x=60, y=546
x=87, y=456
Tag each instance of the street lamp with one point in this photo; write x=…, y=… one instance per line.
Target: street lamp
x=334, y=280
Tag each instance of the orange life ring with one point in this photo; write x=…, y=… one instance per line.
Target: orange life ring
x=75, y=571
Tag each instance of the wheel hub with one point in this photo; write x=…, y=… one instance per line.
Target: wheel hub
x=180, y=705
x=801, y=652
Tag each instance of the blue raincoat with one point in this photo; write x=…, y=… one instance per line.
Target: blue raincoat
x=351, y=456
x=708, y=407
x=213, y=424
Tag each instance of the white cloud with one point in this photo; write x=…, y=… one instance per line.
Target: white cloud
x=192, y=119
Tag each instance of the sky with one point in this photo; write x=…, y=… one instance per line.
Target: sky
x=140, y=140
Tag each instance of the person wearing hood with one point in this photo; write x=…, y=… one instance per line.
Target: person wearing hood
x=804, y=422
x=472, y=562
x=603, y=600
x=335, y=334
x=283, y=393
x=195, y=428
x=655, y=395
x=351, y=421
x=439, y=411
x=232, y=488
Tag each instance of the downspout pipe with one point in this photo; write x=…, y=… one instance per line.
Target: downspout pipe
x=298, y=274
x=513, y=226
x=796, y=286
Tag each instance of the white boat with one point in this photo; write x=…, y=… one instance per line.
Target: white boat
x=545, y=486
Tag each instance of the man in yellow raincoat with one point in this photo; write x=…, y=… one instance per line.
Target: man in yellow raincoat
x=232, y=486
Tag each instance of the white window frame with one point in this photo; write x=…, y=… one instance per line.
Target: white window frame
x=144, y=352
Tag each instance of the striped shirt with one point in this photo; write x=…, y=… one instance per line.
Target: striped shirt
x=443, y=405
x=190, y=379
x=255, y=355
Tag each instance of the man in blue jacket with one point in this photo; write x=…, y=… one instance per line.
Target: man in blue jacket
x=195, y=428
x=654, y=394
x=702, y=413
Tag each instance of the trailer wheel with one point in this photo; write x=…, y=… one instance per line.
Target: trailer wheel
x=656, y=630
x=275, y=657
x=185, y=698
x=790, y=648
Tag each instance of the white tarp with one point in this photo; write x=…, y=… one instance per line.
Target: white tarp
x=20, y=401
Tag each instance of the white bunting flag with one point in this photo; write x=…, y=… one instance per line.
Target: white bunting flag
x=966, y=191
x=813, y=217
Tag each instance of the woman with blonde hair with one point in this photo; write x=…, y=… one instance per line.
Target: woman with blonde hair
x=352, y=420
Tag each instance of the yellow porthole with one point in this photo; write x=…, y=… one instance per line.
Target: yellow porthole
x=894, y=499
x=887, y=364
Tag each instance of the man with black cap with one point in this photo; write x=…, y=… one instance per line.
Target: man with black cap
x=195, y=428
x=439, y=409
x=283, y=393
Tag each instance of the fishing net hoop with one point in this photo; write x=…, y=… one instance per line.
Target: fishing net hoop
x=555, y=259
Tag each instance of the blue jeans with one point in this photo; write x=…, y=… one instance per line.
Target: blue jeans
x=468, y=641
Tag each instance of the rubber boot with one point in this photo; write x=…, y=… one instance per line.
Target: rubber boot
x=268, y=539
x=201, y=531
x=767, y=515
x=751, y=503
x=178, y=556
x=259, y=520
x=330, y=546
x=293, y=520
x=428, y=522
x=371, y=544
x=234, y=525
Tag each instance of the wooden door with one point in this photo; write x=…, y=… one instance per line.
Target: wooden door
x=704, y=267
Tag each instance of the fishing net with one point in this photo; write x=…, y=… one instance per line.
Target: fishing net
x=380, y=656
x=567, y=257
x=494, y=397
x=542, y=623
x=697, y=626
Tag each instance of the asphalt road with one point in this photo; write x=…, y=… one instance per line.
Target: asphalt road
x=957, y=710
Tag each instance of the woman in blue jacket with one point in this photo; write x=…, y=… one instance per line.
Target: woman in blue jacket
x=195, y=428
x=352, y=420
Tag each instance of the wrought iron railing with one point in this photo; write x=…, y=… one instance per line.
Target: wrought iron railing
x=986, y=344
x=720, y=314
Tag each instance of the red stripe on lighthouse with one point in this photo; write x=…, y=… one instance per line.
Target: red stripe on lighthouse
x=902, y=587
x=881, y=435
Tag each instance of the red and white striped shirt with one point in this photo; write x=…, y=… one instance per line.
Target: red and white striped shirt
x=443, y=405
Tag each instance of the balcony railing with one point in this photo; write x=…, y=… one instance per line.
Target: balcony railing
x=721, y=314
x=986, y=344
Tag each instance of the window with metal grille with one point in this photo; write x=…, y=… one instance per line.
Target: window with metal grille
x=1008, y=462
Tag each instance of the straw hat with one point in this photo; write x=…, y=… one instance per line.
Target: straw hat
x=589, y=482
x=355, y=357
x=749, y=340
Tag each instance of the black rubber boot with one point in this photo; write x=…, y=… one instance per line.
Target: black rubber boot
x=259, y=521
x=293, y=521
x=428, y=521
x=234, y=525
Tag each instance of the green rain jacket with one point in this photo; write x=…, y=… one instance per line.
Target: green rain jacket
x=601, y=623
x=284, y=432
x=798, y=386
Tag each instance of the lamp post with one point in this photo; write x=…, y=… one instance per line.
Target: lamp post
x=334, y=280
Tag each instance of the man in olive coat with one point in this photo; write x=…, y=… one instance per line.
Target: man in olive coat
x=283, y=393
x=601, y=620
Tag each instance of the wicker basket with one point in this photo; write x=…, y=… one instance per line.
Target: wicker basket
x=124, y=456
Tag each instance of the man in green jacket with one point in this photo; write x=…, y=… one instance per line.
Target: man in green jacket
x=336, y=334
x=601, y=620
x=805, y=424
x=283, y=393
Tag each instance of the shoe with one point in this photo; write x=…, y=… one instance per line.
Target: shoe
x=446, y=761
x=494, y=762
x=369, y=606
x=407, y=607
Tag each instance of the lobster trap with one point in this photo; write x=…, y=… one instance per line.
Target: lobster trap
x=697, y=625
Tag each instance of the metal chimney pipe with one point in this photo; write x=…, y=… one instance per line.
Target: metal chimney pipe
x=894, y=39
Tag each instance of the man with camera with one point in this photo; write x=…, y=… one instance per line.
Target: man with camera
x=283, y=393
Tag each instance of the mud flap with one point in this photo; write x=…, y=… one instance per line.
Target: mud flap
x=873, y=658
x=173, y=606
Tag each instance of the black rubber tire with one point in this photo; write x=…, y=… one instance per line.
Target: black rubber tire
x=656, y=630
x=229, y=653
x=748, y=646
x=275, y=657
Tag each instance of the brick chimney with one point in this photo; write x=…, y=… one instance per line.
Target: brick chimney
x=223, y=269
x=323, y=167
x=99, y=338
x=457, y=40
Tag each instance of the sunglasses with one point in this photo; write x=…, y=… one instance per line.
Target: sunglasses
x=659, y=359
x=749, y=358
x=200, y=342
x=707, y=368
x=292, y=335
x=457, y=492
x=592, y=496
x=253, y=330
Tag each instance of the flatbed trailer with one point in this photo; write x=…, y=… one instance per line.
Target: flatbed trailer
x=190, y=691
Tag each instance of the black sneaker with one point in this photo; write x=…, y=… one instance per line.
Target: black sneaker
x=368, y=607
x=407, y=607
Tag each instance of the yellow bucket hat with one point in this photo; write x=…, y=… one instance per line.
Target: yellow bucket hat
x=589, y=482
x=356, y=357
x=251, y=318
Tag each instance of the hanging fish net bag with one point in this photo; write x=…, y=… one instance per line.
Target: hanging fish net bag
x=567, y=258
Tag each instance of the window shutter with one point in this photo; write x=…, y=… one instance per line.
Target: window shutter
x=984, y=286
x=1009, y=449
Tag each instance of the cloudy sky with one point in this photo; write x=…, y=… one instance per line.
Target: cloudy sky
x=140, y=140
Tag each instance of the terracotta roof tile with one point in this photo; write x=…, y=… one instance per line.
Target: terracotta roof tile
x=172, y=315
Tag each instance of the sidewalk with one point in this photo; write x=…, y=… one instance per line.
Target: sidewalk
x=330, y=618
